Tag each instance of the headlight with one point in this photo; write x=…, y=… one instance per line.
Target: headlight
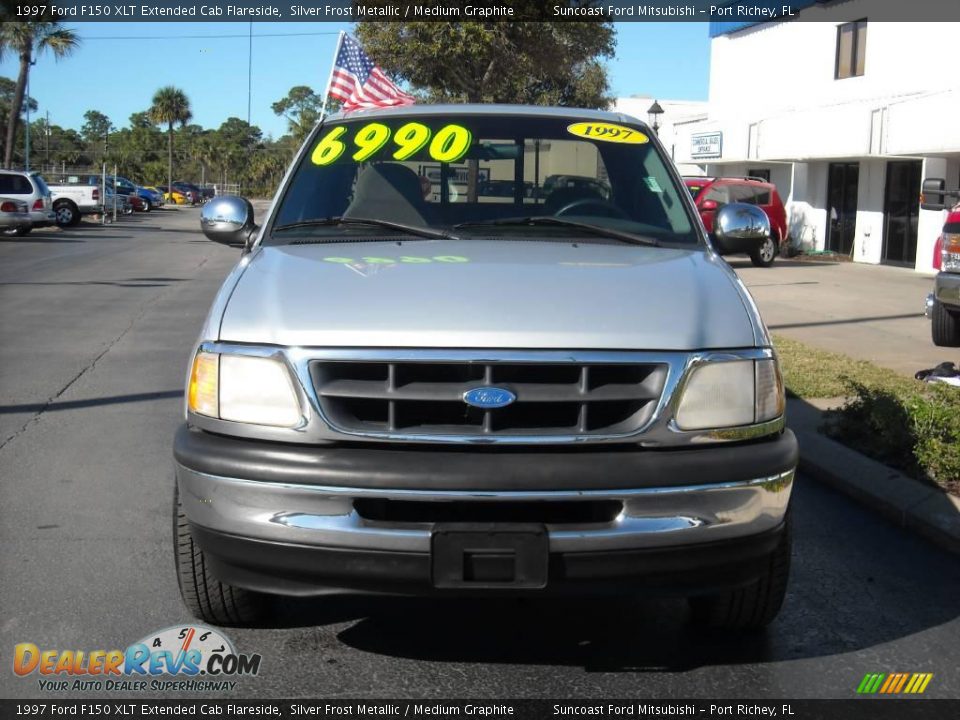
x=723, y=394
x=243, y=388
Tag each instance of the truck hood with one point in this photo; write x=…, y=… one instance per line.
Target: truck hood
x=488, y=294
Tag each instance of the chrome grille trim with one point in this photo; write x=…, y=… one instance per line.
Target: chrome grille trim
x=427, y=397
x=316, y=429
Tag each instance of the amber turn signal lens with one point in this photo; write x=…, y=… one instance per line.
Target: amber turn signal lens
x=204, y=378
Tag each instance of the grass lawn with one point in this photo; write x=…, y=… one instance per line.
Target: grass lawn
x=809, y=372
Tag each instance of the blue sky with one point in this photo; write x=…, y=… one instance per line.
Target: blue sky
x=119, y=76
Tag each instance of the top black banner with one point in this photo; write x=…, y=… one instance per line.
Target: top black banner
x=735, y=12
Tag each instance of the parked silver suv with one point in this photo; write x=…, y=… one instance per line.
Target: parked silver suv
x=409, y=386
x=28, y=187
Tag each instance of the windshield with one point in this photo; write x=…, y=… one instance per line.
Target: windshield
x=475, y=175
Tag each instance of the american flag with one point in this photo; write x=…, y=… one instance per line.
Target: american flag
x=359, y=83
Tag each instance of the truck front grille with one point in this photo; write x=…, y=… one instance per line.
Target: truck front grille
x=426, y=398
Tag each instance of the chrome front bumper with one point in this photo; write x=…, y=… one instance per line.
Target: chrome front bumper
x=324, y=516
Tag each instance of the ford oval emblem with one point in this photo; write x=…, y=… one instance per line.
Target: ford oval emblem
x=489, y=397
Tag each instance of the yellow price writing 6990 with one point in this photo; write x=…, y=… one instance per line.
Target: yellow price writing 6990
x=448, y=144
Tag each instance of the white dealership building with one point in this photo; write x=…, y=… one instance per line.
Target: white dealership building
x=845, y=115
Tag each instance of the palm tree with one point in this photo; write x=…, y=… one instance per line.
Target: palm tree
x=170, y=105
x=27, y=40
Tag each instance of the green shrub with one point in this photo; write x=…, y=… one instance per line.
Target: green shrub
x=915, y=429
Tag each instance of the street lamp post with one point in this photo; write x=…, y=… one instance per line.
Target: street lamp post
x=653, y=115
x=26, y=137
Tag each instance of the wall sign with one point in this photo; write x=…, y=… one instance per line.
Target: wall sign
x=706, y=145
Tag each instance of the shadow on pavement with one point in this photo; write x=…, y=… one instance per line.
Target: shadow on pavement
x=847, y=321
x=742, y=262
x=91, y=402
x=132, y=283
x=43, y=239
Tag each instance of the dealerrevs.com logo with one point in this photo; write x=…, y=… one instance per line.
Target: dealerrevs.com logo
x=201, y=658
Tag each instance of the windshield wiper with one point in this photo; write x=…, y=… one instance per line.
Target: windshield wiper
x=561, y=222
x=418, y=230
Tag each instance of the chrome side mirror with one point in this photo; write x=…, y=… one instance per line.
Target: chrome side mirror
x=740, y=228
x=229, y=220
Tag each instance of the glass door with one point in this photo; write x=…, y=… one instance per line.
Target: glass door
x=842, y=184
x=901, y=212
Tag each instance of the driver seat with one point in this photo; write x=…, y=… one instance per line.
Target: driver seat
x=561, y=197
x=388, y=191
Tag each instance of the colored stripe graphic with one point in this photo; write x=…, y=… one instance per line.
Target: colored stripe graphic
x=890, y=682
x=894, y=683
x=870, y=683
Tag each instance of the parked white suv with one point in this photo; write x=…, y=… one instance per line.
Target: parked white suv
x=31, y=189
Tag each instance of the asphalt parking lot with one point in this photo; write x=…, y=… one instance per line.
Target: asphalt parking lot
x=94, y=335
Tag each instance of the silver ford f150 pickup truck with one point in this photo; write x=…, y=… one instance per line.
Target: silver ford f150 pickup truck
x=414, y=384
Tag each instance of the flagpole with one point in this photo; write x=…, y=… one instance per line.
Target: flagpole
x=326, y=93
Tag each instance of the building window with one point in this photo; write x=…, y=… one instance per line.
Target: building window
x=760, y=173
x=851, y=49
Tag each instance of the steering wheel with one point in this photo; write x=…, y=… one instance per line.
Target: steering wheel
x=612, y=210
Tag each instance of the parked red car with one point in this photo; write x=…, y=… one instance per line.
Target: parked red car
x=710, y=194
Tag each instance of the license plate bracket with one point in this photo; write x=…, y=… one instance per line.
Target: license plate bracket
x=489, y=556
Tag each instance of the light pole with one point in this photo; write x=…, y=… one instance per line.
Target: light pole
x=653, y=115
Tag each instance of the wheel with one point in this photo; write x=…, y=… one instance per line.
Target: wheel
x=205, y=596
x=67, y=214
x=765, y=255
x=753, y=606
x=147, y=207
x=945, y=326
x=18, y=231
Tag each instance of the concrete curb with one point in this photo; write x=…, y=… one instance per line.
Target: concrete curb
x=907, y=502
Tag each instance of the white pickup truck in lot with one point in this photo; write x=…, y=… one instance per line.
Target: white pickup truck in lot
x=73, y=199
x=483, y=385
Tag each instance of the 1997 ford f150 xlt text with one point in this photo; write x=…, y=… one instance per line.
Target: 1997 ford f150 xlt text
x=410, y=386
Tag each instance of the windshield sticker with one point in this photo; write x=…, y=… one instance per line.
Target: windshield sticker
x=608, y=132
x=446, y=145
x=652, y=184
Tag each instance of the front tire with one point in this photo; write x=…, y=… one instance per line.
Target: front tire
x=204, y=595
x=753, y=606
x=147, y=207
x=945, y=326
x=67, y=214
x=767, y=253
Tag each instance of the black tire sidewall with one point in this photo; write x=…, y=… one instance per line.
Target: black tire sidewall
x=74, y=215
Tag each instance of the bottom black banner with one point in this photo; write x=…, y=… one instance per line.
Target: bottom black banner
x=859, y=709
